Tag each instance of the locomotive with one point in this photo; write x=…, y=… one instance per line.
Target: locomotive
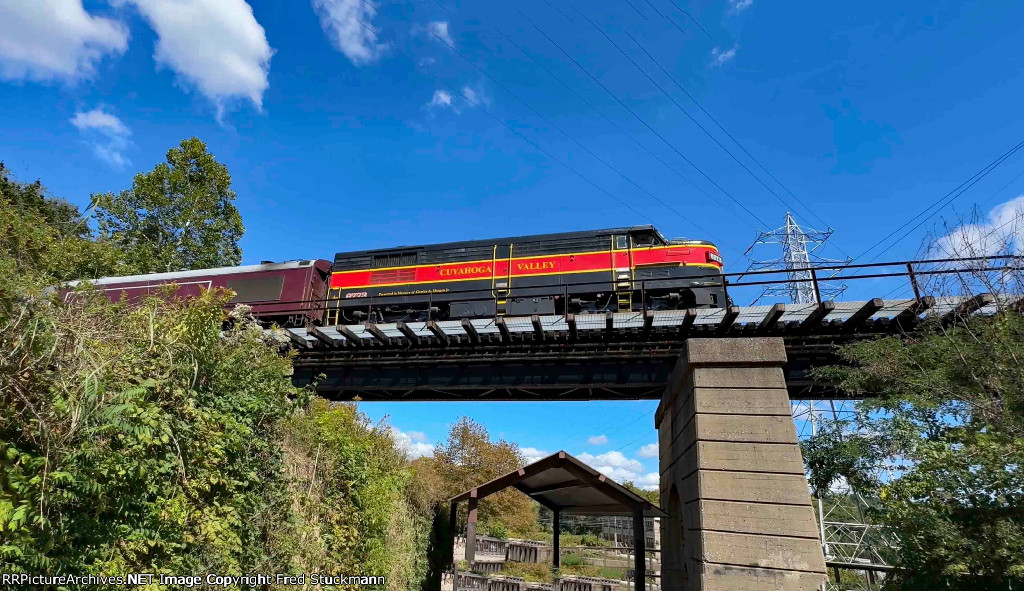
x=615, y=269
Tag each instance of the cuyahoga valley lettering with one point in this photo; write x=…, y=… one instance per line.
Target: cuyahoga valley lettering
x=484, y=269
x=470, y=270
x=535, y=266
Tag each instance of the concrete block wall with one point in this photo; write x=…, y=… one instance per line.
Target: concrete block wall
x=732, y=475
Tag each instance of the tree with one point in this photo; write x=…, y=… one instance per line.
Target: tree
x=166, y=437
x=468, y=458
x=44, y=239
x=62, y=216
x=181, y=215
x=937, y=448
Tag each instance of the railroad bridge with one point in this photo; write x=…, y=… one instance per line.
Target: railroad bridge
x=732, y=476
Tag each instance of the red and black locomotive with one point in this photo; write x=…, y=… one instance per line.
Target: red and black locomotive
x=617, y=269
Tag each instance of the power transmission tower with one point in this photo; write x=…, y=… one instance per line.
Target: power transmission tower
x=798, y=246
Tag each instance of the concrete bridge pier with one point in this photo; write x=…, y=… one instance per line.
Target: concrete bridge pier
x=732, y=477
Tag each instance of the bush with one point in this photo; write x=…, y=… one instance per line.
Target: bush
x=572, y=560
x=496, y=529
x=531, y=571
x=138, y=440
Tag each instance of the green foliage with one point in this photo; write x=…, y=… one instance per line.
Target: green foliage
x=531, y=571
x=468, y=458
x=181, y=215
x=46, y=239
x=148, y=439
x=496, y=529
x=58, y=214
x=349, y=486
x=652, y=496
x=948, y=418
x=138, y=440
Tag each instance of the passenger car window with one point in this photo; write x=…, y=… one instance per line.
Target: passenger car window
x=257, y=289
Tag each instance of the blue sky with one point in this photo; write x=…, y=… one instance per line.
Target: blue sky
x=437, y=126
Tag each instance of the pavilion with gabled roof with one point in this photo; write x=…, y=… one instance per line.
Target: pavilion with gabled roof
x=565, y=485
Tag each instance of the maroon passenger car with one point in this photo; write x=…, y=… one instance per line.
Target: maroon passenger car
x=289, y=294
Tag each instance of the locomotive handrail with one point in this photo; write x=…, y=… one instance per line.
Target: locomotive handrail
x=721, y=279
x=558, y=289
x=911, y=272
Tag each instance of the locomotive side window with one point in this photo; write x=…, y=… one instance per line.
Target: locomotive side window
x=256, y=289
x=394, y=259
x=644, y=239
x=621, y=242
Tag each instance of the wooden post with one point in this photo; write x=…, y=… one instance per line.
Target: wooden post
x=639, y=550
x=471, y=530
x=453, y=521
x=556, y=560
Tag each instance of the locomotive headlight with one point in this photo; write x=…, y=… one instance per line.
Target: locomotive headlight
x=714, y=258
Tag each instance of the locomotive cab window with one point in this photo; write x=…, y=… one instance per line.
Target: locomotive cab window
x=645, y=239
x=621, y=242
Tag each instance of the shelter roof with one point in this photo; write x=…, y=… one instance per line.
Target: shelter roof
x=564, y=483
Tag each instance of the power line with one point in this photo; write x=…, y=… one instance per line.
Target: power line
x=903, y=288
x=723, y=129
x=599, y=112
x=642, y=15
x=641, y=120
x=941, y=202
x=505, y=124
x=681, y=108
x=625, y=445
x=563, y=132
x=619, y=128
x=658, y=12
x=690, y=16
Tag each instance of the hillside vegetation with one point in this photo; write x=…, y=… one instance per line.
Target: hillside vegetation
x=148, y=439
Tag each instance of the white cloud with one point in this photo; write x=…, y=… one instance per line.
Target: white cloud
x=649, y=481
x=107, y=135
x=614, y=465
x=597, y=439
x=412, y=443
x=719, y=57
x=436, y=30
x=347, y=25
x=475, y=96
x=532, y=454
x=100, y=120
x=215, y=46
x=468, y=97
x=648, y=451
x=737, y=6
x=440, y=30
x=54, y=39
x=1004, y=231
x=441, y=98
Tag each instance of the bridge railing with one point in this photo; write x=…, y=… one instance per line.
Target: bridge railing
x=913, y=274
